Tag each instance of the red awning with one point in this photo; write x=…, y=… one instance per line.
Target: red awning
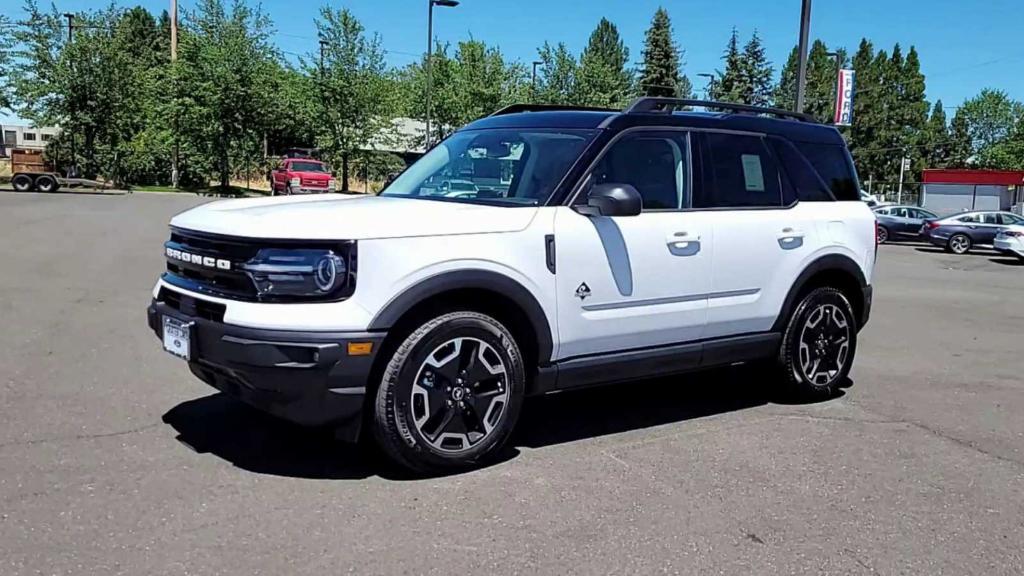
x=980, y=177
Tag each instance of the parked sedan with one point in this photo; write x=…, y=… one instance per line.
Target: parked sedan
x=1010, y=241
x=960, y=233
x=901, y=221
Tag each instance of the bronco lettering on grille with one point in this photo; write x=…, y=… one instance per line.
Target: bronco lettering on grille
x=205, y=261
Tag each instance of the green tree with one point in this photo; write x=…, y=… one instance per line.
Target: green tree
x=730, y=85
x=913, y=111
x=960, y=144
x=661, y=75
x=757, y=72
x=356, y=95
x=226, y=63
x=6, y=61
x=991, y=117
x=935, y=142
x=556, y=83
x=603, y=78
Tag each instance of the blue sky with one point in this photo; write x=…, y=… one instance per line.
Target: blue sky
x=964, y=45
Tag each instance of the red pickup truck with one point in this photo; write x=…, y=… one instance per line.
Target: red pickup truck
x=301, y=176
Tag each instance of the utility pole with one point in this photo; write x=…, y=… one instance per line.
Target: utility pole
x=904, y=165
x=73, y=170
x=430, y=52
x=174, y=58
x=707, y=87
x=801, y=79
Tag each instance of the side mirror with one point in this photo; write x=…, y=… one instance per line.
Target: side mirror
x=612, y=200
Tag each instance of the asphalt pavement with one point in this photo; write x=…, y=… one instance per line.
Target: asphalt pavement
x=115, y=460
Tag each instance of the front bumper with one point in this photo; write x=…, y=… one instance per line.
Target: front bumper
x=308, y=190
x=304, y=377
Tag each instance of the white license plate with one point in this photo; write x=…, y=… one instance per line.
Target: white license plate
x=177, y=337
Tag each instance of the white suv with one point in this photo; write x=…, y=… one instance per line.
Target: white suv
x=598, y=246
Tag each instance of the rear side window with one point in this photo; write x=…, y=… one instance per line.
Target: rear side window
x=990, y=218
x=834, y=167
x=799, y=174
x=741, y=174
x=1011, y=219
x=969, y=218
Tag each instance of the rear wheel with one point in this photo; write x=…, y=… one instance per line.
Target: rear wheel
x=451, y=394
x=22, y=183
x=959, y=244
x=819, y=344
x=46, y=183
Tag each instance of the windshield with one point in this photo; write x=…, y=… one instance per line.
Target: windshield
x=308, y=167
x=519, y=167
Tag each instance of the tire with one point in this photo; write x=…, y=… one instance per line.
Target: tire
x=959, y=244
x=46, y=183
x=427, y=415
x=818, y=346
x=22, y=183
x=882, y=233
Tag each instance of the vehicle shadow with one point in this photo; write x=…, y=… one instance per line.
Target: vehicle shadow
x=1008, y=261
x=254, y=441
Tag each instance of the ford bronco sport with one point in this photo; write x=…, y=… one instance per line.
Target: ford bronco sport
x=598, y=246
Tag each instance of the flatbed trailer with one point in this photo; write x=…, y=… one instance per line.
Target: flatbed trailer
x=30, y=172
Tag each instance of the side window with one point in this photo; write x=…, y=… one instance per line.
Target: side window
x=1009, y=219
x=923, y=214
x=834, y=166
x=969, y=218
x=882, y=211
x=903, y=213
x=990, y=218
x=799, y=176
x=653, y=163
x=741, y=173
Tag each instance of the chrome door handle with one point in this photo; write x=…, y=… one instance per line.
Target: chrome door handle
x=682, y=244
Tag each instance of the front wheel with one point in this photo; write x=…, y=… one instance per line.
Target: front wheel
x=818, y=346
x=22, y=183
x=883, y=234
x=451, y=394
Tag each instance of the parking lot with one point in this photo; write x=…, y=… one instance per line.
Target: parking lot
x=114, y=459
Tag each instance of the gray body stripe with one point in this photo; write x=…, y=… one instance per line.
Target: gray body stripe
x=670, y=300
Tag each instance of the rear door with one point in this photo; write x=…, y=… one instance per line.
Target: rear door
x=636, y=281
x=986, y=229
x=761, y=237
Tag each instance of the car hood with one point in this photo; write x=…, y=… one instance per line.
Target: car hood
x=341, y=217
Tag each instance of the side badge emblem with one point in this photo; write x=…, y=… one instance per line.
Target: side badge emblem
x=583, y=291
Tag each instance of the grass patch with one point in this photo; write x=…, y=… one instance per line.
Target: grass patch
x=230, y=192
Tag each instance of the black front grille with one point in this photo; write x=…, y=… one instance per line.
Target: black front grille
x=222, y=275
x=196, y=307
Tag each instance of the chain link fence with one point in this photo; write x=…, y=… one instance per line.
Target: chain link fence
x=890, y=192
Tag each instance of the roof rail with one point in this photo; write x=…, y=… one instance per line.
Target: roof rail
x=517, y=108
x=667, y=105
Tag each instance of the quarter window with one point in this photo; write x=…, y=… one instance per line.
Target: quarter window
x=990, y=218
x=834, y=167
x=653, y=163
x=742, y=174
x=1010, y=219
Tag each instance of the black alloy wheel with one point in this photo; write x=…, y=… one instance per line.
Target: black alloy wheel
x=451, y=394
x=819, y=344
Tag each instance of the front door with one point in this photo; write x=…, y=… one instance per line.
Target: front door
x=637, y=281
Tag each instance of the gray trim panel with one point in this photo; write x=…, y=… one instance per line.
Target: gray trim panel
x=670, y=300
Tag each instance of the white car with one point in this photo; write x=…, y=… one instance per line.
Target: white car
x=627, y=245
x=1010, y=241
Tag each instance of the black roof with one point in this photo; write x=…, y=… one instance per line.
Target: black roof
x=796, y=130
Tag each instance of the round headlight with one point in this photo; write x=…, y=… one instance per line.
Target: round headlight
x=327, y=271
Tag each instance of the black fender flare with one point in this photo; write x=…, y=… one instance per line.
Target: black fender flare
x=471, y=279
x=830, y=262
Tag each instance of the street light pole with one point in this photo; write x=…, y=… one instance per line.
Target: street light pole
x=71, y=105
x=430, y=52
x=801, y=79
x=533, y=79
x=174, y=57
x=707, y=87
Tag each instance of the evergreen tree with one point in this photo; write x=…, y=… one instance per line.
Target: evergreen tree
x=935, y=139
x=784, y=95
x=6, y=61
x=960, y=145
x=866, y=109
x=603, y=79
x=730, y=84
x=757, y=73
x=822, y=72
x=913, y=109
x=556, y=83
x=661, y=72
